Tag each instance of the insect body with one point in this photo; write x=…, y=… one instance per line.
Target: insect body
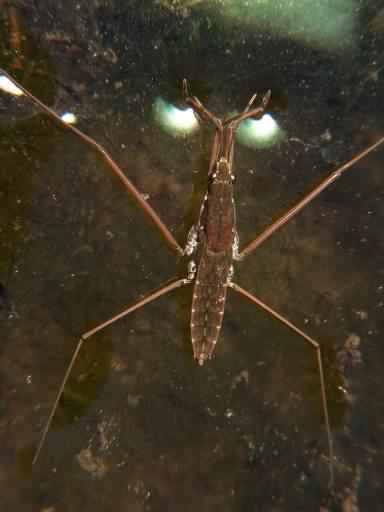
x=214, y=239
x=212, y=243
x=216, y=233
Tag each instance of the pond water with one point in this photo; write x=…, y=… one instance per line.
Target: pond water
x=141, y=427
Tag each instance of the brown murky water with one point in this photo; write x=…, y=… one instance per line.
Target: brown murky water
x=140, y=426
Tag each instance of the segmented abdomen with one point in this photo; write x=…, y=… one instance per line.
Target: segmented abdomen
x=210, y=290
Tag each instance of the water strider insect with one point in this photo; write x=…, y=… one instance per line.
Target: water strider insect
x=212, y=244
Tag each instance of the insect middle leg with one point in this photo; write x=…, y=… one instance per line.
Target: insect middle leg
x=254, y=244
x=112, y=165
x=308, y=198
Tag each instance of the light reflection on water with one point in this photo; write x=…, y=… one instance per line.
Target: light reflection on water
x=246, y=430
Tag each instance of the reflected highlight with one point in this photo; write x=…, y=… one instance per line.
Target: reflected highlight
x=259, y=133
x=322, y=24
x=175, y=121
x=69, y=118
x=7, y=86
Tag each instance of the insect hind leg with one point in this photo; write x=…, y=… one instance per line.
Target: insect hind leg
x=316, y=346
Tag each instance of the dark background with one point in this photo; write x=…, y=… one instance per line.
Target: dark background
x=140, y=426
